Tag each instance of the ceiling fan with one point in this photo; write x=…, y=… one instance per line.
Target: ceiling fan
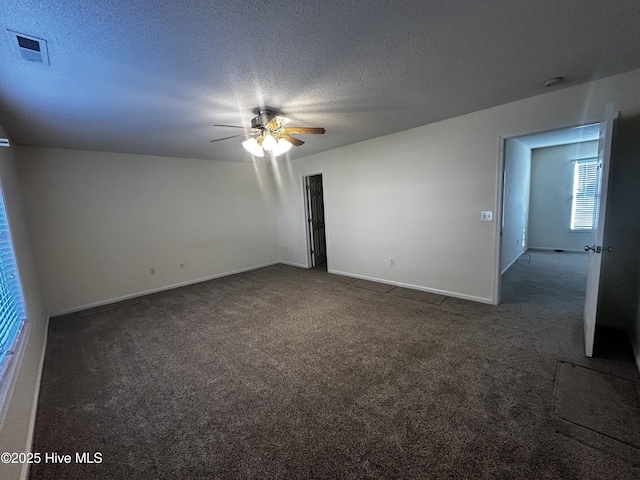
x=269, y=134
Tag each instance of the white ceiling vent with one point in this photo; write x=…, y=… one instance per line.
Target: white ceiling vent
x=29, y=48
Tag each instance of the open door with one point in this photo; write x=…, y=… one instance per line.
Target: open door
x=596, y=248
x=315, y=217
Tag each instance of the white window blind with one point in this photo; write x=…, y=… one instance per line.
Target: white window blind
x=585, y=194
x=12, y=312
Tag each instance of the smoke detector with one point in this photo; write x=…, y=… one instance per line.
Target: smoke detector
x=554, y=82
x=30, y=48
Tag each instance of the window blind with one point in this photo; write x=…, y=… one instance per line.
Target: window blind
x=12, y=311
x=585, y=195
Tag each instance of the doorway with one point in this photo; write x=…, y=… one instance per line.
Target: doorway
x=538, y=197
x=314, y=207
x=589, y=188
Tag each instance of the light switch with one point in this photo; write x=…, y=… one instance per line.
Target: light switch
x=486, y=216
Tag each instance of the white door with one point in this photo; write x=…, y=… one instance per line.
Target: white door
x=597, y=248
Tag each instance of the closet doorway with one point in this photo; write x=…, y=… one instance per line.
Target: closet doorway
x=314, y=204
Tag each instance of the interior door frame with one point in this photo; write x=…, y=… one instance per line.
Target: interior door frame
x=305, y=213
x=502, y=141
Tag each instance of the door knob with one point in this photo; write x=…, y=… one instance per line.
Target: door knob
x=587, y=248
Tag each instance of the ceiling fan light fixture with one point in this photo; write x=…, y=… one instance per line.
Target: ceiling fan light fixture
x=253, y=147
x=269, y=143
x=281, y=147
x=269, y=135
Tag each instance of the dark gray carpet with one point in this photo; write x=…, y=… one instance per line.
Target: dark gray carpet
x=288, y=373
x=106, y=308
x=418, y=295
x=601, y=402
x=604, y=404
x=373, y=286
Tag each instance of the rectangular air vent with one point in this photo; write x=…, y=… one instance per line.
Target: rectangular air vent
x=29, y=48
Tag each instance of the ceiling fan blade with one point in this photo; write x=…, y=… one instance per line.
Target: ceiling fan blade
x=293, y=141
x=301, y=130
x=225, y=125
x=232, y=136
x=277, y=122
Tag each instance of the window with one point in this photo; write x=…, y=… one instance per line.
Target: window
x=12, y=312
x=585, y=194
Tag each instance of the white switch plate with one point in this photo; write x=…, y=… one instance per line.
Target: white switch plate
x=486, y=216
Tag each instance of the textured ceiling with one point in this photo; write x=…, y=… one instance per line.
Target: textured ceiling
x=152, y=76
x=563, y=136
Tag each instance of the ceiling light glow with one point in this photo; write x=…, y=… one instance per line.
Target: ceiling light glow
x=281, y=147
x=253, y=147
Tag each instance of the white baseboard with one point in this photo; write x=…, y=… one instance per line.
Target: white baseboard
x=523, y=250
x=416, y=287
x=568, y=250
x=161, y=289
x=294, y=264
x=511, y=264
x=24, y=475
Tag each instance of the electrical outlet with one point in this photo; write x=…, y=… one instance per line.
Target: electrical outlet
x=392, y=262
x=152, y=271
x=486, y=216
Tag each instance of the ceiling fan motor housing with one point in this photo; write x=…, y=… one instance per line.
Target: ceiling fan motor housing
x=264, y=117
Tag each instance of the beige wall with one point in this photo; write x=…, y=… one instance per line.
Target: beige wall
x=100, y=221
x=551, y=187
x=18, y=391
